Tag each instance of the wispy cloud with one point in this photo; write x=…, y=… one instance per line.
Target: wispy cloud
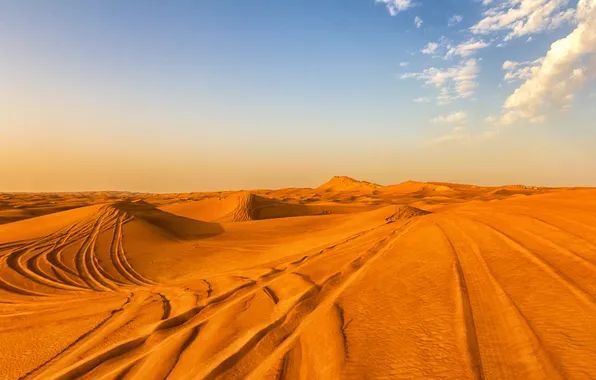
x=458, y=117
x=520, y=70
x=396, y=6
x=454, y=20
x=418, y=22
x=455, y=82
x=466, y=49
x=422, y=100
x=522, y=17
x=430, y=48
x=404, y=64
x=436, y=49
x=444, y=48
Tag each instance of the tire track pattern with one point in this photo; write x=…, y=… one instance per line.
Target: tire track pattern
x=39, y=267
x=175, y=333
x=258, y=327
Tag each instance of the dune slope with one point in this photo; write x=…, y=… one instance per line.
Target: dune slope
x=238, y=207
x=126, y=290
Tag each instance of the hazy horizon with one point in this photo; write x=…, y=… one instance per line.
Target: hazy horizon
x=215, y=190
x=150, y=96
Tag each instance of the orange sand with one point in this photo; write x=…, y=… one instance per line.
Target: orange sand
x=350, y=280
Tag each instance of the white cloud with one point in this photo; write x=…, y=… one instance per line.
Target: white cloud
x=396, y=6
x=491, y=119
x=454, y=20
x=422, y=100
x=436, y=49
x=520, y=70
x=458, y=117
x=466, y=49
x=569, y=64
x=430, y=48
x=444, y=49
x=522, y=17
x=454, y=82
x=404, y=64
x=418, y=21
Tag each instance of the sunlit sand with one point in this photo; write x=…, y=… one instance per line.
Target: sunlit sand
x=350, y=280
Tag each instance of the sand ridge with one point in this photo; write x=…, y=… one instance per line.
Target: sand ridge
x=410, y=281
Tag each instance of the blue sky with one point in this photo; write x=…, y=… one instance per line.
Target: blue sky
x=203, y=95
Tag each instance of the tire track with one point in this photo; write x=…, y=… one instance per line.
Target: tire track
x=194, y=333
x=63, y=277
x=467, y=311
x=96, y=277
x=74, y=360
x=551, y=226
x=577, y=259
x=82, y=259
x=94, y=269
x=118, y=256
x=324, y=305
x=20, y=291
x=14, y=262
x=514, y=318
x=115, y=283
x=78, y=340
x=115, y=253
x=548, y=268
x=585, y=242
x=589, y=243
x=180, y=324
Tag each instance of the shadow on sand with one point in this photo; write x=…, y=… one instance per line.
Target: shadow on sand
x=178, y=226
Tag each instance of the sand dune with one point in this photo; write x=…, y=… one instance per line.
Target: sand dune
x=412, y=187
x=14, y=215
x=343, y=183
x=238, y=207
x=406, y=212
x=244, y=286
x=340, y=194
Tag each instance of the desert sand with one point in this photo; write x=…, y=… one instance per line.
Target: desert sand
x=350, y=280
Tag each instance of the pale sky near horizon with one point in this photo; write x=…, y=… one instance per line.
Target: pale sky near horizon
x=206, y=95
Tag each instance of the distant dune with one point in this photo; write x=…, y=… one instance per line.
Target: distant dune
x=412, y=187
x=350, y=280
x=343, y=183
x=237, y=207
